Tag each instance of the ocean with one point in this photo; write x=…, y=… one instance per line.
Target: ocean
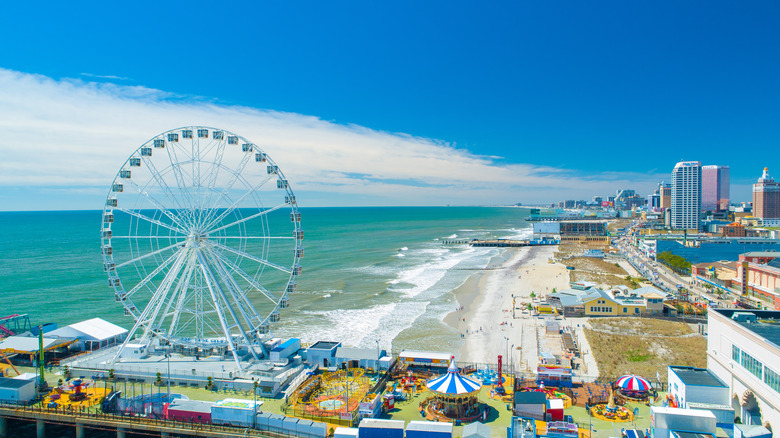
x=369, y=275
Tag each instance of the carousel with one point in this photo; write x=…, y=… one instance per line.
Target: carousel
x=454, y=399
x=634, y=387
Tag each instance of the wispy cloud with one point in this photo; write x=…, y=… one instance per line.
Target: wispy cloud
x=76, y=134
x=109, y=77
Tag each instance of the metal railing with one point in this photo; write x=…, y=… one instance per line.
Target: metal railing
x=87, y=417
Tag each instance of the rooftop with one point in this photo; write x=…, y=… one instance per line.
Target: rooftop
x=678, y=434
x=576, y=297
x=325, y=345
x=95, y=328
x=767, y=324
x=5, y=382
x=192, y=405
x=530, y=398
x=29, y=344
x=697, y=376
x=415, y=354
x=762, y=254
x=286, y=344
x=358, y=353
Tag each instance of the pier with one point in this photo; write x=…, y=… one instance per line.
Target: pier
x=503, y=243
x=509, y=243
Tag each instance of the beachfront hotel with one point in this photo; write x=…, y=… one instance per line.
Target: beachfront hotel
x=686, y=195
x=743, y=350
x=715, y=188
x=766, y=197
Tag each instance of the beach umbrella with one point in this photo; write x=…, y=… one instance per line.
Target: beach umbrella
x=453, y=383
x=633, y=383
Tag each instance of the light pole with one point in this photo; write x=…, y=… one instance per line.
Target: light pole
x=512, y=360
x=507, y=355
x=254, y=406
x=168, y=356
x=590, y=423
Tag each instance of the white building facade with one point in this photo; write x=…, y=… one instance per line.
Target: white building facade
x=686, y=195
x=744, y=353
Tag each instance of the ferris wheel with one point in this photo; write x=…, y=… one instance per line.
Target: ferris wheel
x=201, y=240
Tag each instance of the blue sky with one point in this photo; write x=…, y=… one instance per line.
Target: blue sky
x=605, y=93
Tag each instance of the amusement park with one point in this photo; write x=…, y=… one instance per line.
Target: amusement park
x=201, y=244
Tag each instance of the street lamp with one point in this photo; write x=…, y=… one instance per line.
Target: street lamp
x=512, y=360
x=254, y=406
x=168, y=356
x=507, y=350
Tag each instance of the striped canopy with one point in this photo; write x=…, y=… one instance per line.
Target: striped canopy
x=453, y=383
x=633, y=383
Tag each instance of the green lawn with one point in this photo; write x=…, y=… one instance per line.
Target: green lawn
x=498, y=420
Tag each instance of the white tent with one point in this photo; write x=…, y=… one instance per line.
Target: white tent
x=92, y=334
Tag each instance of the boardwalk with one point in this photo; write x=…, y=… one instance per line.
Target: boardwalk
x=123, y=425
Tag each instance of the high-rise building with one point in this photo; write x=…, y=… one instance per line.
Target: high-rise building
x=714, y=188
x=766, y=197
x=665, y=190
x=654, y=201
x=686, y=195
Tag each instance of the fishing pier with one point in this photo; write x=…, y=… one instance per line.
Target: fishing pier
x=503, y=243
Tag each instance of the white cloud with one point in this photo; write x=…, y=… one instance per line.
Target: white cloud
x=76, y=134
x=112, y=77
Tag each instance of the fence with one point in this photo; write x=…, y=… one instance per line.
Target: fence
x=101, y=420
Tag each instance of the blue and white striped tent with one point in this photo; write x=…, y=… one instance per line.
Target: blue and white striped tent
x=453, y=383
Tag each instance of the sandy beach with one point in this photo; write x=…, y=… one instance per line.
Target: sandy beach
x=487, y=298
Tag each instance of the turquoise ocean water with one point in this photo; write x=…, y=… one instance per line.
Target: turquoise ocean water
x=368, y=273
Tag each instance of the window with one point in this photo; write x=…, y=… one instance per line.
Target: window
x=636, y=309
x=751, y=364
x=735, y=353
x=772, y=379
x=625, y=310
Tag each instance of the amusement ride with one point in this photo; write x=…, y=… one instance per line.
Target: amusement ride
x=201, y=242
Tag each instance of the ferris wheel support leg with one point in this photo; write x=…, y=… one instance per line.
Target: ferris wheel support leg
x=234, y=293
x=162, y=294
x=179, y=292
x=210, y=284
x=190, y=268
x=158, y=296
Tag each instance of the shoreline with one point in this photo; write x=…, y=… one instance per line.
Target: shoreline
x=487, y=300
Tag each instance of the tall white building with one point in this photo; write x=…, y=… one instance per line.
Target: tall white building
x=743, y=350
x=686, y=195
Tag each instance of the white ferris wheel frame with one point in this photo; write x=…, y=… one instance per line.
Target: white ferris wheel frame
x=197, y=240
